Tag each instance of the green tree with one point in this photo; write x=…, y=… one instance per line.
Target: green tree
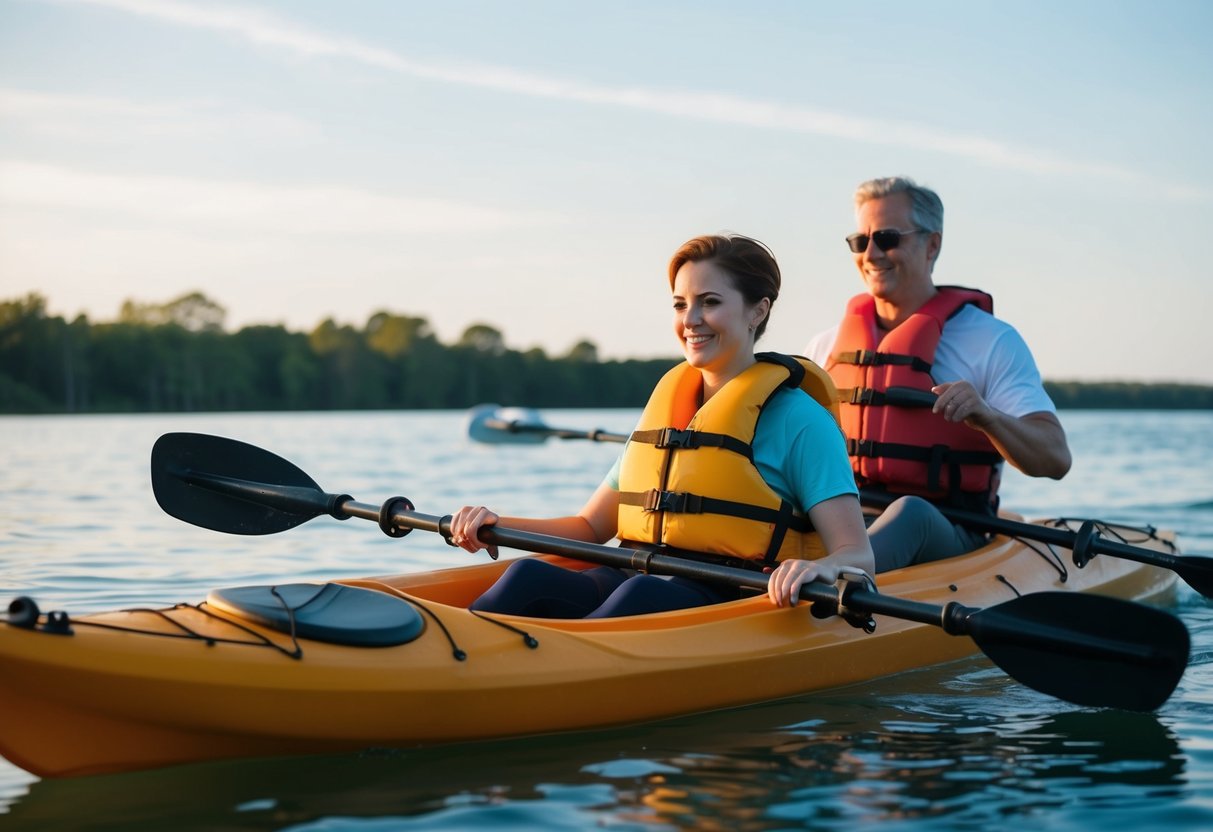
x=26, y=342
x=193, y=311
x=177, y=357
x=585, y=352
x=483, y=338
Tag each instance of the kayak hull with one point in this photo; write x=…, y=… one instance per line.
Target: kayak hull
x=133, y=689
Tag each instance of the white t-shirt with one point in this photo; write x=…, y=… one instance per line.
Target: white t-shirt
x=978, y=348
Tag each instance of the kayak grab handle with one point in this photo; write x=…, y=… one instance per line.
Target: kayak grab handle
x=23, y=612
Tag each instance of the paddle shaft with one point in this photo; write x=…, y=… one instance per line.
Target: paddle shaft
x=903, y=396
x=953, y=618
x=559, y=433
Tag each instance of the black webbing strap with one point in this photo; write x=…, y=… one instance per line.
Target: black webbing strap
x=683, y=502
x=872, y=358
x=795, y=369
x=787, y=520
x=674, y=438
x=935, y=456
x=921, y=453
x=893, y=397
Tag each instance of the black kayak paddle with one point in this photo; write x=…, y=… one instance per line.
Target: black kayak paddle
x=1085, y=649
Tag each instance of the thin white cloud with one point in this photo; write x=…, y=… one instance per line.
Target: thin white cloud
x=123, y=120
x=234, y=206
x=260, y=27
x=16, y=103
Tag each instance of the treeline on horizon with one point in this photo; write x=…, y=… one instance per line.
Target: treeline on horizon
x=177, y=357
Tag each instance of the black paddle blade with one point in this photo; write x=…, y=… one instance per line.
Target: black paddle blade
x=1197, y=572
x=1086, y=649
x=234, y=487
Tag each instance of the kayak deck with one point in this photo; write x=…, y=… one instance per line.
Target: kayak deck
x=143, y=688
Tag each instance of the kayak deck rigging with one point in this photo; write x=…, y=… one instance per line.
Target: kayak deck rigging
x=111, y=699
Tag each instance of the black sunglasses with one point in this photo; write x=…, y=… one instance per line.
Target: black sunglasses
x=885, y=239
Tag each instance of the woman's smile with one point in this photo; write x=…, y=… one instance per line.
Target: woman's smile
x=713, y=322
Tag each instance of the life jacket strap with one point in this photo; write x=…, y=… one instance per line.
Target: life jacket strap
x=920, y=453
x=679, y=439
x=935, y=456
x=893, y=397
x=684, y=502
x=874, y=358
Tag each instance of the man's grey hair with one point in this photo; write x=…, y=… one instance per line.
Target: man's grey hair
x=926, y=208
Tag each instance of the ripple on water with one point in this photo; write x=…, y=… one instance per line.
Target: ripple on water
x=957, y=746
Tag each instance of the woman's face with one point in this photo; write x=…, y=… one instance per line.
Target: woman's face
x=712, y=320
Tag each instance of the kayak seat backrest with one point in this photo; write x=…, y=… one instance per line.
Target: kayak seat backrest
x=332, y=613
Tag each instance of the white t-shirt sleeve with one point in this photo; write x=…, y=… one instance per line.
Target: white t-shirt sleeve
x=992, y=356
x=818, y=349
x=976, y=347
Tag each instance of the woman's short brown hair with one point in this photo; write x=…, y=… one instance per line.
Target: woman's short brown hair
x=749, y=264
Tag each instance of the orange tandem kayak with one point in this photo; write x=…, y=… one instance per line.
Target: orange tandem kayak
x=135, y=689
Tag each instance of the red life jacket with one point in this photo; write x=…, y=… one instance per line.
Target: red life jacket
x=884, y=384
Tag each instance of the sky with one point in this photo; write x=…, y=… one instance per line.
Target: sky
x=533, y=164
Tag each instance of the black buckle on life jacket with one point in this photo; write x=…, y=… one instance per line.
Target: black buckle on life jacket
x=860, y=447
x=865, y=358
x=674, y=438
x=862, y=395
x=679, y=502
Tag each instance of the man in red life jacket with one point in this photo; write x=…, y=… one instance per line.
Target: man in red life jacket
x=936, y=391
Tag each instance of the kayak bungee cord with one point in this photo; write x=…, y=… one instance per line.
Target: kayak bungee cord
x=1005, y=581
x=1082, y=556
x=57, y=619
x=460, y=655
x=1090, y=532
x=527, y=639
x=24, y=614
x=1049, y=555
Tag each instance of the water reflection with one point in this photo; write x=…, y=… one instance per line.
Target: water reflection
x=869, y=754
x=973, y=770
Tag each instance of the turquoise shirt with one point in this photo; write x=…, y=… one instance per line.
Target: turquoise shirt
x=799, y=450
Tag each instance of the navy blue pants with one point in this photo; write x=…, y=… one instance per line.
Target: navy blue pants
x=538, y=588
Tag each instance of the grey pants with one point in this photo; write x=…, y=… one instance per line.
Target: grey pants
x=911, y=530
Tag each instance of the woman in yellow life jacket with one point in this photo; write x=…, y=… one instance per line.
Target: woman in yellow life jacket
x=731, y=457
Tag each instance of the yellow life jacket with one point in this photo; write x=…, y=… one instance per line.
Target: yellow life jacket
x=687, y=479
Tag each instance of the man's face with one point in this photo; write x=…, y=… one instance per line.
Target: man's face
x=903, y=273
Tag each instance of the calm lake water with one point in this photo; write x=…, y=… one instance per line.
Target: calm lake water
x=951, y=747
